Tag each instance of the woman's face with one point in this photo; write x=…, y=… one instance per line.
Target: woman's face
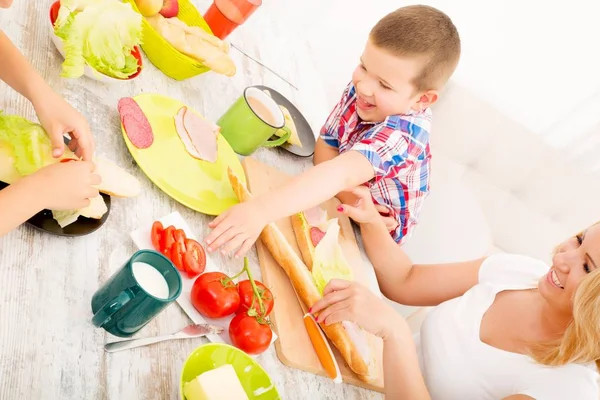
x=573, y=260
x=5, y=3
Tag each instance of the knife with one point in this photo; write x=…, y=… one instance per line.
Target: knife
x=190, y=331
x=320, y=344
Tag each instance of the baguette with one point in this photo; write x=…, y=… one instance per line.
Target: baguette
x=344, y=336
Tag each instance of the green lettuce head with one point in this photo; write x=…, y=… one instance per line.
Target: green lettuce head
x=101, y=33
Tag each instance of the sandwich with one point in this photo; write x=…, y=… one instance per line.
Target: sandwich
x=25, y=148
x=327, y=261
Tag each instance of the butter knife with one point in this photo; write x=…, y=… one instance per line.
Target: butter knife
x=190, y=331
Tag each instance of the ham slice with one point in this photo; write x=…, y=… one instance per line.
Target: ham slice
x=198, y=135
x=315, y=216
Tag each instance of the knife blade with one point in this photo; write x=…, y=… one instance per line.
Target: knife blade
x=190, y=331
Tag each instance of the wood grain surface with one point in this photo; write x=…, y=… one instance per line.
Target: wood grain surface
x=48, y=346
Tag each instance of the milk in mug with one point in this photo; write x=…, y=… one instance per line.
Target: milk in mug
x=150, y=279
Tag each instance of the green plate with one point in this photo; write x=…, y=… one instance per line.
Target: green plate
x=255, y=381
x=200, y=185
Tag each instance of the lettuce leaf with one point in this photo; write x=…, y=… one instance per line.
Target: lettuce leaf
x=329, y=261
x=101, y=33
x=25, y=148
x=28, y=142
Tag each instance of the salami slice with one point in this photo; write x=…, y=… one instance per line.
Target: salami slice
x=137, y=127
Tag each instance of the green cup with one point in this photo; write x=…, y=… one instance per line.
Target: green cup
x=135, y=294
x=251, y=121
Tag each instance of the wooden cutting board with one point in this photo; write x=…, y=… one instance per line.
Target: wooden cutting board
x=294, y=348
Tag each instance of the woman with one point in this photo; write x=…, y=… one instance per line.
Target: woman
x=60, y=186
x=505, y=327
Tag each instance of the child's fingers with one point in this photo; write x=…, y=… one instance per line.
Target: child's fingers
x=245, y=248
x=216, y=222
x=57, y=140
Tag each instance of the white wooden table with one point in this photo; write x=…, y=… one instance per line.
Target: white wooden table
x=48, y=346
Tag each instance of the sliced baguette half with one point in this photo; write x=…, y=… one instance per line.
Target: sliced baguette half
x=361, y=362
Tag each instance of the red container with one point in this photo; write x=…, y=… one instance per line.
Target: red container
x=224, y=16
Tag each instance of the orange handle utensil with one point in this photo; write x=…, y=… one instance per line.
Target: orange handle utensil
x=322, y=348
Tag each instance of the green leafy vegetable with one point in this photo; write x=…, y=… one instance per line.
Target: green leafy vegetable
x=28, y=142
x=101, y=33
x=329, y=261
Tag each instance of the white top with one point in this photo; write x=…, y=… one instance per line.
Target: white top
x=456, y=364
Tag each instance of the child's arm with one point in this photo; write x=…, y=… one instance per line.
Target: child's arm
x=240, y=225
x=59, y=186
x=18, y=202
x=56, y=116
x=399, y=279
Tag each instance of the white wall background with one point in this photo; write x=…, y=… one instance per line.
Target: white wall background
x=537, y=61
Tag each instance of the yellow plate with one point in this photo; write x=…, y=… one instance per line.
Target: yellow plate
x=199, y=185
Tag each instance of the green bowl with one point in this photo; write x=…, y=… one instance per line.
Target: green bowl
x=256, y=382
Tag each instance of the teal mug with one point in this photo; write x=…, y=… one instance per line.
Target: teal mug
x=135, y=294
x=251, y=121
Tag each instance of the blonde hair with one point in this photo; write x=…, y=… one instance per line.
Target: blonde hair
x=580, y=342
x=421, y=31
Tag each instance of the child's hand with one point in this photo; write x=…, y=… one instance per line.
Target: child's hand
x=238, y=227
x=350, y=301
x=65, y=186
x=58, y=117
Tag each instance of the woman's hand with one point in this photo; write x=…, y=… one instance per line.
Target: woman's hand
x=364, y=211
x=58, y=117
x=350, y=301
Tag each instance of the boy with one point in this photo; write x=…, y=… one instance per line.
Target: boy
x=377, y=135
x=59, y=186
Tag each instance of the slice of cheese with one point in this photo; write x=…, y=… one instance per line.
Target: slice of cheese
x=217, y=384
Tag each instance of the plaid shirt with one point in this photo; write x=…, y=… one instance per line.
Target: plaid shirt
x=398, y=149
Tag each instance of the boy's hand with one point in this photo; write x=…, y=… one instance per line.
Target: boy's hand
x=58, y=117
x=238, y=227
x=66, y=186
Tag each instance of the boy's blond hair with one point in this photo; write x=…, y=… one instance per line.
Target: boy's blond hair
x=423, y=32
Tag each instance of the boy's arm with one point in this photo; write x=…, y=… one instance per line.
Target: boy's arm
x=316, y=185
x=23, y=193
x=324, y=152
x=16, y=71
x=418, y=285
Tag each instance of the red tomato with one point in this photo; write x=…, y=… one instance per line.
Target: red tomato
x=213, y=297
x=248, y=334
x=156, y=234
x=167, y=240
x=247, y=296
x=176, y=255
x=179, y=236
x=194, y=259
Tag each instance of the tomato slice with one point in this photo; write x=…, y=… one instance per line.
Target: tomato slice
x=179, y=236
x=194, y=259
x=167, y=240
x=66, y=160
x=176, y=256
x=156, y=234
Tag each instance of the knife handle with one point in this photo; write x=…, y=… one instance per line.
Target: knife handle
x=322, y=348
x=132, y=343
